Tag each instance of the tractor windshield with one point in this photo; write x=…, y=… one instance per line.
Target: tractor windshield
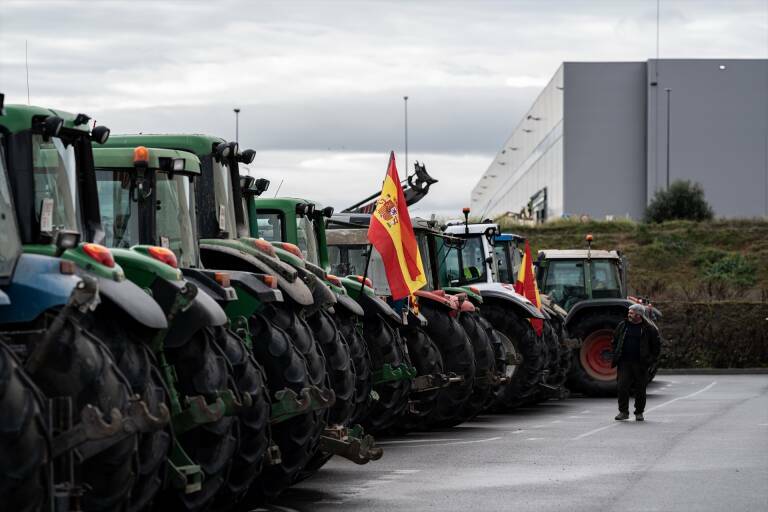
x=173, y=220
x=468, y=264
x=565, y=282
x=118, y=207
x=305, y=238
x=423, y=241
x=55, y=175
x=10, y=245
x=225, y=208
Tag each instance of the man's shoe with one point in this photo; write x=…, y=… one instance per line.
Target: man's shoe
x=639, y=417
x=622, y=416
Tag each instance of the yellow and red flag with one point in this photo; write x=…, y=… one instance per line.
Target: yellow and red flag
x=527, y=287
x=391, y=233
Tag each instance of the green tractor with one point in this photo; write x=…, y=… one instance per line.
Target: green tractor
x=88, y=354
x=591, y=285
x=439, y=345
x=368, y=324
x=300, y=318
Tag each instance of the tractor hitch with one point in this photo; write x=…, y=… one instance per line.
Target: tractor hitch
x=351, y=443
x=288, y=403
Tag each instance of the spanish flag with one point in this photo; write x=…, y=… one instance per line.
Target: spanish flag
x=527, y=287
x=391, y=233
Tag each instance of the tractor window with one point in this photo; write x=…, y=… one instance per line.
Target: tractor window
x=119, y=214
x=450, y=257
x=605, y=279
x=270, y=226
x=225, y=208
x=55, y=170
x=173, y=222
x=473, y=261
x=565, y=282
x=423, y=241
x=505, y=272
x=10, y=245
x=305, y=239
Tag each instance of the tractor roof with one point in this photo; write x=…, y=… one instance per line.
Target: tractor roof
x=279, y=203
x=123, y=158
x=201, y=145
x=347, y=236
x=19, y=117
x=578, y=254
x=457, y=228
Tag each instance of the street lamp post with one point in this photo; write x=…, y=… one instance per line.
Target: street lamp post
x=669, y=124
x=405, y=101
x=237, y=125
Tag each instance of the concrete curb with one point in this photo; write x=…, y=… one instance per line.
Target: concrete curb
x=712, y=371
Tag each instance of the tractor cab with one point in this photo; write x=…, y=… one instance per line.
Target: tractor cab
x=571, y=276
x=509, y=256
x=146, y=199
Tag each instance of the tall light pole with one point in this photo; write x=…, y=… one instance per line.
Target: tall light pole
x=237, y=125
x=669, y=124
x=405, y=101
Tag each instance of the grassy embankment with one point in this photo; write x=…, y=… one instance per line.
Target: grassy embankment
x=710, y=280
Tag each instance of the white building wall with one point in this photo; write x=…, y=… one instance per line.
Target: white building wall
x=530, y=160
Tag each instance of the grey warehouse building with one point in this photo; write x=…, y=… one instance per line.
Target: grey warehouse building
x=603, y=137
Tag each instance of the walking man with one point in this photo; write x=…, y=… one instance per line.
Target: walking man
x=636, y=347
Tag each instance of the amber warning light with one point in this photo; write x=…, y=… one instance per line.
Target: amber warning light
x=140, y=156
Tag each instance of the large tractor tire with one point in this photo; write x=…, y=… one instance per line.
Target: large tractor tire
x=351, y=331
x=253, y=422
x=298, y=437
x=385, y=347
x=342, y=375
x=128, y=344
x=202, y=370
x=427, y=360
x=458, y=358
x=524, y=382
x=485, y=365
x=502, y=393
x=24, y=439
x=591, y=371
x=286, y=317
x=338, y=365
x=81, y=367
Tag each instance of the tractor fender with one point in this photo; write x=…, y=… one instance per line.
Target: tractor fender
x=37, y=285
x=133, y=301
x=595, y=304
x=373, y=305
x=439, y=297
x=297, y=290
x=205, y=280
x=322, y=294
x=255, y=286
x=467, y=306
x=503, y=293
x=5, y=300
x=349, y=304
x=202, y=312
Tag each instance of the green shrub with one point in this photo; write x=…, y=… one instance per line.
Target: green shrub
x=683, y=200
x=733, y=269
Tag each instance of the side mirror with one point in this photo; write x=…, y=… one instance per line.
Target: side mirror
x=100, y=134
x=66, y=239
x=246, y=156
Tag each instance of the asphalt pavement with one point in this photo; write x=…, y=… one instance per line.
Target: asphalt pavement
x=703, y=446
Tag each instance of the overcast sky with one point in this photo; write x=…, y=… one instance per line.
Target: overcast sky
x=321, y=84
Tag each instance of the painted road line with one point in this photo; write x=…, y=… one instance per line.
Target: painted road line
x=458, y=442
x=412, y=441
x=606, y=427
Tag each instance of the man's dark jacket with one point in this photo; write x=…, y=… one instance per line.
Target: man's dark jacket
x=650, y=345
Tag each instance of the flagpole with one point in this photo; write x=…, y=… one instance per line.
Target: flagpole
x=365, y=272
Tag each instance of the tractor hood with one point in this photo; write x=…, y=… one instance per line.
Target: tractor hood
x=506, y=292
